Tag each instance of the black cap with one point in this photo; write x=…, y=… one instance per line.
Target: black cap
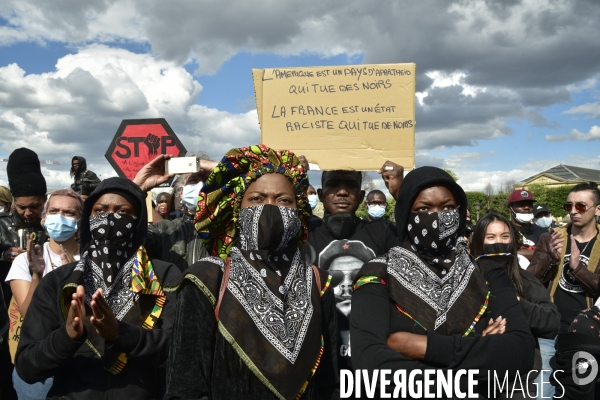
x=24, y=174
x=540, y=208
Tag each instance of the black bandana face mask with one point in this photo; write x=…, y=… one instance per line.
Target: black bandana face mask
x=109, y=259
x=433, y=232
x=112, y=242
x=268, y=227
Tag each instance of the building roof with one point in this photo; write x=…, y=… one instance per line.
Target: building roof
x=569, y=173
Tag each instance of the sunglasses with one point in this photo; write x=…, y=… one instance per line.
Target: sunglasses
x=580, y=208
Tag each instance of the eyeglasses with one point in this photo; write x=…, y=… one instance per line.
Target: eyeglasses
x=377, y=203
x=580, y=208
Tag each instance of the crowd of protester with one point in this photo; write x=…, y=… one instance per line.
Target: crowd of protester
x=230, y=286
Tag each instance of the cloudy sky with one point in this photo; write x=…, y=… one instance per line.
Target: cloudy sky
x=505, y=88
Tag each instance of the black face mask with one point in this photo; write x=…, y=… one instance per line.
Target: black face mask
x=268, y=227
x=497, y=248
x=340, y=225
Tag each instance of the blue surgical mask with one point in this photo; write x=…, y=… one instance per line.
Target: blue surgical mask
x=59, y=227
x=544, y=222
x=313, y=200
x=376, y=211
x=189, y=197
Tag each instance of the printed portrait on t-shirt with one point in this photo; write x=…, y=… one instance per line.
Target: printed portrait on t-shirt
x=343, y=259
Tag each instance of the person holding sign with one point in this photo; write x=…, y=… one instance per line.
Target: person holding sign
x=101, y=326
x=60, y=217
x=254, y=321
x=426, y=304
x=342, y=242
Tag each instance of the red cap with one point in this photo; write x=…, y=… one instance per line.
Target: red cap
x=520, y=195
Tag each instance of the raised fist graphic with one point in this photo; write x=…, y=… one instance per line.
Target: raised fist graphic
x=153, y=143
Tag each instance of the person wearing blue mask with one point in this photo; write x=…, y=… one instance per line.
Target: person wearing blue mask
x=313, y=197
x=60, y=218
x=175, y=241
x=542, y=216
x=376, y=204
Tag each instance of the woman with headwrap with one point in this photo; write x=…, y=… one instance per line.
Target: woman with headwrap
x=426, y=304
x=101, y=325
x=253, y=321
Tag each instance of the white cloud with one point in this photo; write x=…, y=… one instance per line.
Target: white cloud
x=76, y=109
x=593, y=134
x=593, y=109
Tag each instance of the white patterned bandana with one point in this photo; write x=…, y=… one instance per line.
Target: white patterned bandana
x=108, y=261
x=434, y=234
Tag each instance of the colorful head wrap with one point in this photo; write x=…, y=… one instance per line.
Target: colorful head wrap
x=220, y=199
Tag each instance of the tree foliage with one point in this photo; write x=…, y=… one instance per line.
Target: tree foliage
x=553, y=197
x=452, y=174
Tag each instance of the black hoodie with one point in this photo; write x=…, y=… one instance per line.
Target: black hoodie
x=85, y=181
x=422, y=178
x=375, y=316
x=45, y=349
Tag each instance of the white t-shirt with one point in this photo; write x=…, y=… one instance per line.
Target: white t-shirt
x=20, y=266
x=523, y=261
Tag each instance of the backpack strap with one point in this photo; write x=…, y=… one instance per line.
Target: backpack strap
x=223, y=286
x=317, y=277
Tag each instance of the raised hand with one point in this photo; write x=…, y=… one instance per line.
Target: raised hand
x=392, y=175
x=153, y=173
x=66, y=257
x=153, y=143
x=76, y=315
x=575, y=253
x=103, y=318
x=556, y=245
x=35, y=256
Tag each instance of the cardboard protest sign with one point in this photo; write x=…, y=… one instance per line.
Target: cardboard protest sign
x=14, y=331
x=346, y=117
x=139, y=141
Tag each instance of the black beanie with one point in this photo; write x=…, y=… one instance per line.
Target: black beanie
x=24, y=174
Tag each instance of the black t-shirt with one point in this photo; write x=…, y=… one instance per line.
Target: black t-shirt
x=529, y=235
x=343, y=258
x=570, y=295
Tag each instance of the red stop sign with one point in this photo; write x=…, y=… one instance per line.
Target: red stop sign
x=139, y=141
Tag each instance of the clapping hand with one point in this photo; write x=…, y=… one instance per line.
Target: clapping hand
x=35, y=256
x=76, y=315
x=103, y=318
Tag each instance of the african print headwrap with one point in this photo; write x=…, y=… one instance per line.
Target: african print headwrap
x=220, y=199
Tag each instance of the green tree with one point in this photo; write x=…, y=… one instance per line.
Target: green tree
x=452, y=174
x=556, y=197
x=540, y=192
x=475, y=198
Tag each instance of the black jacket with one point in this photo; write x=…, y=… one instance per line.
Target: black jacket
x=46, y=350
x=541, y=313
x=175, y=241
x=10, y=223
x=85, y=180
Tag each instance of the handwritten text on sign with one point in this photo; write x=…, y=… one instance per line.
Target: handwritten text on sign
x=351, y=117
